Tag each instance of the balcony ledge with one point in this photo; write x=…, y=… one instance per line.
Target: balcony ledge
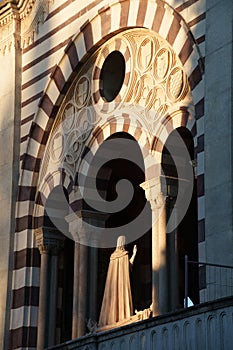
x=198, y=313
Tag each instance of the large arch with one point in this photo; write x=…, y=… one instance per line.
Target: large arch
x=125, y=123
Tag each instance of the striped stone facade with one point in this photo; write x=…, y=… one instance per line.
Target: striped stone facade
x=57, y=37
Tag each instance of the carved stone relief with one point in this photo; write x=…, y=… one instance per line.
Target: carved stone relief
x=156, y=81
x=76, y=122
x=72, y=127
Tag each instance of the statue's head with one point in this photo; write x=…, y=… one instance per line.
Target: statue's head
x=121, y=242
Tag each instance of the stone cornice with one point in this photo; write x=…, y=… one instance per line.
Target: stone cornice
x=24, y=7
x=29, y=15
x=9, y=28
x=7, y=14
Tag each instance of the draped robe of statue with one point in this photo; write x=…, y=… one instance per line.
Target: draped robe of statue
x=117, y=303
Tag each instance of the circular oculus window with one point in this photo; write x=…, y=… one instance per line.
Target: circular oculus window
x=112, y=76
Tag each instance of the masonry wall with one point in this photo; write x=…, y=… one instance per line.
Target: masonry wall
x=218, y=134
x=10, y=113
x=202, y=327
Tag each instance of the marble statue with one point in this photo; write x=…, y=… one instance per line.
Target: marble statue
x=117, y=303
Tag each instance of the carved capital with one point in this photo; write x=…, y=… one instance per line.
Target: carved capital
x=44, y=249
x=82, y=225
x=76, y=227
x=49, y=240
x=154, y=193
x=73, y=221
x=159, y=201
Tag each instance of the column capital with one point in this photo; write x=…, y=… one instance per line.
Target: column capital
x=76, y=230
x=154, y=193
x=83, y=223
x=49, y=240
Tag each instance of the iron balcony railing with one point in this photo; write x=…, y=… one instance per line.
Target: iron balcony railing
x=218, y=277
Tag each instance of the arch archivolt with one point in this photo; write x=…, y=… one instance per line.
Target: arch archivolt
x=154, y=99
x=52, y=180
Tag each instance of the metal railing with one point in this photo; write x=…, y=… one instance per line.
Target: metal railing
x=219, y=280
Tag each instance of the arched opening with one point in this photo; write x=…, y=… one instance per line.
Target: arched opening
x=111, y=172
x=183, y=240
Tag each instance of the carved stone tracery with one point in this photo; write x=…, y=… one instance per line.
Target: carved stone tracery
x=156, y=82
x=160, y=79
x=154, y=86
x=72, y=128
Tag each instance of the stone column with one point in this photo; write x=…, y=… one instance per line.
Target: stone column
x=49, y=241
x=53, y=279
x=43, y=298
x=82, y=285
x=157, y=200
x=173, y=257
x=72, y=221
x=93, y=283
x=93, y=220
x=75, y=292
x=80, y=275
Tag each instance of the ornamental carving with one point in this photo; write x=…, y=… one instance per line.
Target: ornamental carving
x=77, y=122
x=156, y=81
x=162, y=62
x=49, y=240
x=73, y=126
x=146, y=53
x=82, y=91
x=151, y=84
x=176, y=86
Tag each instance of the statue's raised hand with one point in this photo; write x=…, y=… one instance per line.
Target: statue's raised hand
x=135, y=250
